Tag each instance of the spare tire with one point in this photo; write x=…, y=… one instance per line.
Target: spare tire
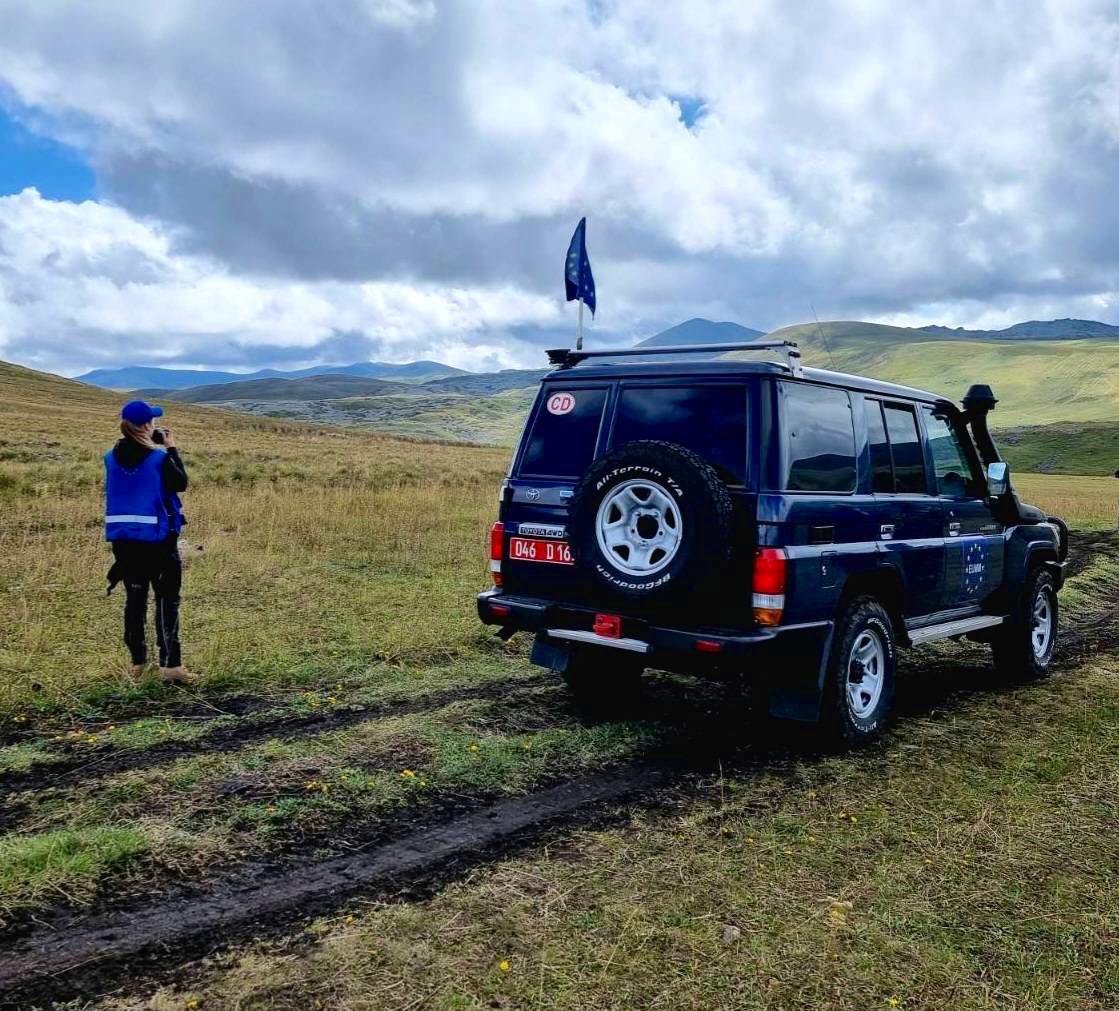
x=651, y=520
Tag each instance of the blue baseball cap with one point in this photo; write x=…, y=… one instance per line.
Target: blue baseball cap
x=139, y=412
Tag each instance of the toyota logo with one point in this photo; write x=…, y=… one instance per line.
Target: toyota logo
x=532, y=494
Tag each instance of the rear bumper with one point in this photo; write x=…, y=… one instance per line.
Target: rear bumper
x=788, y=659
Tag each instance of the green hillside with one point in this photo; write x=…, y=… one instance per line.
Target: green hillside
x=309, y=388
x=1037, y=382
x=1066, y=448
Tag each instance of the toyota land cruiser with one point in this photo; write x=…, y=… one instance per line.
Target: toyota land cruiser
x=789, y=525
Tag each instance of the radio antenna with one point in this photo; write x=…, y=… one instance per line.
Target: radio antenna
x=820, y=334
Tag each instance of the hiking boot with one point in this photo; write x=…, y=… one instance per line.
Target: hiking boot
x=137, y=671
x=177, y=676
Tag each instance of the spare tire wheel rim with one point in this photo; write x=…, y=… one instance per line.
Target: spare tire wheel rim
x=639, y=527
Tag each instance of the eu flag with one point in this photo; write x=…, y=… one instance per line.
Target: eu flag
x=578, y=278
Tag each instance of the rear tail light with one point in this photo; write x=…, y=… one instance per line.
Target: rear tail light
x=497, y=551
x=770, y=565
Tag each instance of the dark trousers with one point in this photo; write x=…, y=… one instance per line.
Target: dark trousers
x=159, y=566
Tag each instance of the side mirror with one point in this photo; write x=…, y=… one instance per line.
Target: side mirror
x=998, y=479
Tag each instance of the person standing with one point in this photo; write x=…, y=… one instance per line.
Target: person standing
x=144, y=475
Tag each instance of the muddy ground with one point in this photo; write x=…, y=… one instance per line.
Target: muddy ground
x=135, y=939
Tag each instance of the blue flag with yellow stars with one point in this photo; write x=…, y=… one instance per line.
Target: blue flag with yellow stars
x=578, y=278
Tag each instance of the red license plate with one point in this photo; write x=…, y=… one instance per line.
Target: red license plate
x=536, y=549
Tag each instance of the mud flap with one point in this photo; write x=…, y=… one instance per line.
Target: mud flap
x=795, y=672
x=548, y=654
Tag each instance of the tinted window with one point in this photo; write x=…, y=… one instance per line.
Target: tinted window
x=882, y=471
x=953, y=472
x=709, y=420
x=905, y=447
x=820, y=439
x=564, y=433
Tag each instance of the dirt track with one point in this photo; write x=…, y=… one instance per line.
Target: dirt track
x=66, y=961
x=79, y=954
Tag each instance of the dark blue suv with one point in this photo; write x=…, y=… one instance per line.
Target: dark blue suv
x=794, y=526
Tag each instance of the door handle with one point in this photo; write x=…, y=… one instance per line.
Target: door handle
x=954, y=529
x=887, y=531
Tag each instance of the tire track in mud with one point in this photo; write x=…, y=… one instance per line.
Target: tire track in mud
x=76, y=954
x=93, y=766
x=73, y=959
x=147, y=941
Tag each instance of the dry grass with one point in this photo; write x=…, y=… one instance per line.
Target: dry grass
x=1086, y=503
x=310, y=552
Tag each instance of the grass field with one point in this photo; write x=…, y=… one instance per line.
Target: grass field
x=352, y=703
x=306, y=547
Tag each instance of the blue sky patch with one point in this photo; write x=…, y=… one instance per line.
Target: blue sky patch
x=57, y=171
x=691, y=108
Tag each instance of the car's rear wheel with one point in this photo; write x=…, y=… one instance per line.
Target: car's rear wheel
x=1024, y=647
x=859, y=684
x=603, y=681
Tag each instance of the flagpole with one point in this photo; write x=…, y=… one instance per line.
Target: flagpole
x=579, y=338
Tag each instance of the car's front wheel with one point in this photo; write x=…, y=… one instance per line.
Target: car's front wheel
x=859, y=686
x=1025, y=644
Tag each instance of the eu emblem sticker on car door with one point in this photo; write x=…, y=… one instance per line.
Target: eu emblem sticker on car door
x=975, y=564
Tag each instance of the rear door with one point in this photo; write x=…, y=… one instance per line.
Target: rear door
x=573, y=424
x=974, y=544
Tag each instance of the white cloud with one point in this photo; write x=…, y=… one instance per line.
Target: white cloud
x=411, y=169
x=87, y=283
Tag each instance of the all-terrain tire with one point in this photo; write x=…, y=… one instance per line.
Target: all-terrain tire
x=694, y=497
x=1016, y=652
x=859, y=683
x=603, y=682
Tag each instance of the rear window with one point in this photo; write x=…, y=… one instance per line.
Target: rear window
x=708, y=420
x=819, y=439
x=563, y=437
x=905, y=447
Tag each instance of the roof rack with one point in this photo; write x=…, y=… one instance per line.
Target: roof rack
x=565, y=358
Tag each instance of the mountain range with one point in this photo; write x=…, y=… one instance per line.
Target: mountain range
x=1035, y=329
x=692, y=331
x=1042, y=371
x=137, y=377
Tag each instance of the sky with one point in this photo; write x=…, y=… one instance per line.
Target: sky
x=213, y=185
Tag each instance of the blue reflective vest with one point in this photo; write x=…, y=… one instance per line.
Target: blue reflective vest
x=134, y=503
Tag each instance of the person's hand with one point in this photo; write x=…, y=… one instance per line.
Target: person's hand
x=168, y=438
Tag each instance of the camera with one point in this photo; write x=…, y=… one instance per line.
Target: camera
x=157, y=436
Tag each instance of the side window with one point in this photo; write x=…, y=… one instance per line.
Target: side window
x=564, y=434
x=819, y=439
x=905, y=448
x=709, y=420
x=881, y=468
x=954, y=477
